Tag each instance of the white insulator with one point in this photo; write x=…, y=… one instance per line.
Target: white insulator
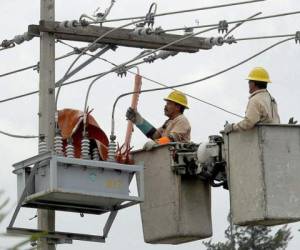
x=70, y=153
x=63, y=24
x=19, y=39
x=58, y=145
x=112, y=148
x=85, y=149
x=72, y=24
x=27, y=36
x=42, y=147
x=96, y=156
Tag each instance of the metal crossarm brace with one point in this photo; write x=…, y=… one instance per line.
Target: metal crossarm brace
x=120, y=37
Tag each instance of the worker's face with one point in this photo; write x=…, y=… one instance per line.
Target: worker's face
x=251, y=87
x=171, y=109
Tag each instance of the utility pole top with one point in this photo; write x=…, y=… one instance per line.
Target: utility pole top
x=120, y=37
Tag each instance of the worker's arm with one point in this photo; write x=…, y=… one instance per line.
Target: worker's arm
x=253, y=116
x=147, y=128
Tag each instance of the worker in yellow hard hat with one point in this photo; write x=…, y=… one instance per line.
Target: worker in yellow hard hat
x=176, y=129
x=262, y=107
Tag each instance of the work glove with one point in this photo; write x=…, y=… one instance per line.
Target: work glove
x=134, y=116
x=228, y=128
x=291, y=121
x=149, y=145
x=146, y=127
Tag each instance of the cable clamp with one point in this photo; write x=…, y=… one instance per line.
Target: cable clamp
x=150, y=16
x=297, y=37
x=223, y=26
x=7, y=44
x=188, y=31
x=121, y=71
x=230, y=40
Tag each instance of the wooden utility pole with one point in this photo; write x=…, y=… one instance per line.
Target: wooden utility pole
x=46, y=219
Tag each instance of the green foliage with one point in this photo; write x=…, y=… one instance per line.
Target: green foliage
x=252, y=238
x=3, y=214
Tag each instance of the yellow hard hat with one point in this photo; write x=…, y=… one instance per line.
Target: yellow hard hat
x=177, y=97
x=259, y=74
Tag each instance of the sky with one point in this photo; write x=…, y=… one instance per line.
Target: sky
x=229, y=90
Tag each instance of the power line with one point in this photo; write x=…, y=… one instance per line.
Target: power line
x=264, y=37
x=19, y=136
x=233, y=22
x=36, y=65
x=143, y=55
x=241, y=23
x=161, y=84
x=192, y=82
x=183, y=11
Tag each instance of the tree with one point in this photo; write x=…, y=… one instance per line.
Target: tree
x=252, y=238
x=3, y=214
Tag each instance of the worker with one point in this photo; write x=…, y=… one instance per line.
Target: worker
x=176, y=129
x=261, y=108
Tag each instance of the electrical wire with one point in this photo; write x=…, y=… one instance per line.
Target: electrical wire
x=36, y=65
x=264, y=37
x=241, y=23
x=139, y=57
x=19, y=136
x=77, y=80
x=86, y=49
x=161, y=84
x=233, y=22
x=184, y=11
x=192, y=82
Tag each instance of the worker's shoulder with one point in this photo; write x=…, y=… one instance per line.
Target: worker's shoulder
x=259, y=95
x=181, y=119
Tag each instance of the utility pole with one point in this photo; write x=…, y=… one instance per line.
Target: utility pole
x=46, y=218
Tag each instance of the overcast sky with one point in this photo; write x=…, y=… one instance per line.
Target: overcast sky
x=229, y=91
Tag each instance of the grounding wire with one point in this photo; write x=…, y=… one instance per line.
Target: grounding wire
x=233, y=22
x=85, y=50
x=184, y=11
x=192, y=82
x=19, y=136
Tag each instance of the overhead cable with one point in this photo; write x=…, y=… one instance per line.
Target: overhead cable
x=191, y=82
x=96, y=41
x=161, y=84
x=64, y=84
x=35, y=66
x=124, y=66
x=19, y=136
x=264, y=37
x=239, y=24
x=233, y=22
x=185, y=11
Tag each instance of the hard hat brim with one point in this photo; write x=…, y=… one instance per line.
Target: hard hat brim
x=167, y=99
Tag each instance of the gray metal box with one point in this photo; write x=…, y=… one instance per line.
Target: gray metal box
x=264, y=170
x=77, y=185
x=176, y=209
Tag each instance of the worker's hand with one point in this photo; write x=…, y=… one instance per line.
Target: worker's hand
x=291, y=121
x=149, y=145
x=134, y=116
x=228, y=128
